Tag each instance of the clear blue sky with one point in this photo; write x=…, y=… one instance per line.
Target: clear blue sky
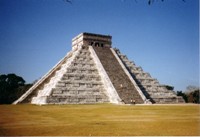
x=162, y=38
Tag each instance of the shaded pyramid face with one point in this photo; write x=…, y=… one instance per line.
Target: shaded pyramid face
x=94, y=72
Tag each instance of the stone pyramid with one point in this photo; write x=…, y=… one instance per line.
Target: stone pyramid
x=94, y=72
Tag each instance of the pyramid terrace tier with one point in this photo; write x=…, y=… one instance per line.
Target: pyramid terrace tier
x=84, y=67
x=76, y=83
x=76, y=100
x=78, y=90
x=82, y=77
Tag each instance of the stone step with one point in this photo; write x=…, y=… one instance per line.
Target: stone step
x=78, y=74
x=81, y=75
x=78, y=83
x=83, y=59
x=60, y=90
x=75, y=100
x=84, y=52
x=81, y=78
x=147, y=83
x=82, y=71
x=84, y=67
x=130, y=64
x=85, y=94
x=79, y=63
x=143, y=76
x=171, y=100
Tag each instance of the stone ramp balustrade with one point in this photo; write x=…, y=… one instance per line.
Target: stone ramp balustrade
x=118, y=77
x=151, y=88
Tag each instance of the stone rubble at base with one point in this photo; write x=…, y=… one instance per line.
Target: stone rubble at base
x=94, y=72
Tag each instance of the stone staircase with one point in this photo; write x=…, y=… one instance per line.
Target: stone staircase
x=119, y=79
x=151, y=88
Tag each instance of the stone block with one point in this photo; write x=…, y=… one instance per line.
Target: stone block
x=60, y=85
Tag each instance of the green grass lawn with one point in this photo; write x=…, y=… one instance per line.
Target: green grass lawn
x=100, y=119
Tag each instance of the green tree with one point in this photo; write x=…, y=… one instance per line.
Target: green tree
x=193, y=97
x=169, y=87
x=184, y=96
x=11, y=88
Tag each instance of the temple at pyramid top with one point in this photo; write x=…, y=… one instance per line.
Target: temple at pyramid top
x=92, y=40
x=94, y=72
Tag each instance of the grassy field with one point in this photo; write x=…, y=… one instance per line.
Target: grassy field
x=101, y=119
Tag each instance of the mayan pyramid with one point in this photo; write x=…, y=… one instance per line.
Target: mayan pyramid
x=94, y=72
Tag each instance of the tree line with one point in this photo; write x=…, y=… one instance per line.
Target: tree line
x=191, y=95
x=11, y=88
